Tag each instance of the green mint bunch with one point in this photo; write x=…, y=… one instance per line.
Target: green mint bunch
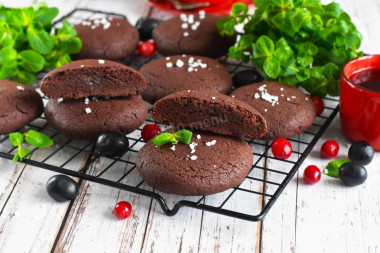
x=297, y=42
x=27, y=44
x=34, y=138
x=183, y=136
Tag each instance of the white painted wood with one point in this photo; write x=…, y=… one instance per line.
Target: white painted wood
x=327, y=217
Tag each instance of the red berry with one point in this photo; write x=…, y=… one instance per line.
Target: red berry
x=147, y=48
x=319, y=105
x=122, y=210
x=329, y=149
x=150, y=131
x=281, y=148
x=312, y=174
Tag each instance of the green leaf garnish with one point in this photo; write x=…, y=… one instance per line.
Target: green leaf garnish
x=38, y=139
x=27, y=45
x=32, y=137
x=183, y=136
x=332, y=168
x=16, y=139
x=297, y=42
x=164, y=138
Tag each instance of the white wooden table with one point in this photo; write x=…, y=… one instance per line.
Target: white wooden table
x=326, y=217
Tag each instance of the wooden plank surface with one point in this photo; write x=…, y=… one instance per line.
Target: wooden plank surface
x=327, y=217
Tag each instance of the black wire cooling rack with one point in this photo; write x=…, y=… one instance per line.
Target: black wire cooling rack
x=251, y=200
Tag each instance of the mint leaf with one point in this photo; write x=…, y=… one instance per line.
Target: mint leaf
x=16, y=139
x=66, y=33
x=272, y=67
x=46, y=15
x=332, y=168
x=239, y=9
x=39, y=40
x=226, y=26
x=265, y=46
x=20, y=154
x=24, y=77
x=183, y=136
x=38, y=139
x=31, y=60
x=163, y=139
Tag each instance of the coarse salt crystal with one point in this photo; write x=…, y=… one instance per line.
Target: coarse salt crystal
x=198, y=136
x=88, y=110
x=214, y=166
x=257, y=95
x=287, y=99
x=106, y=26
x=210, y=143
x=185, y=25
x=185, y=34
x=183, y=55
x=265, y=110
x=293, y=97
x=192, y=147
x=194, y=157
x=82, y=66
x=282, y=95
x=306, y=99
x=104, y=21
x=190, y=69
x=167, y=58
x=183, y=17
x=173, y=148
x=179, y=63
x=93, y=27
x=87, y=101
x=101, y=61
x=213, y=98
x=233, y=96
x=188, y=90
x=169, y=64
x=281, y=89
x=59, y=100
x=202, y=12
x=20, y=88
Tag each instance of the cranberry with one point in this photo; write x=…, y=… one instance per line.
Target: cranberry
x=312, y=174
x=150, y=131
x=319, y=105
x=281, y=148
x=329, y=149
x=147, y=48
x=123, y=210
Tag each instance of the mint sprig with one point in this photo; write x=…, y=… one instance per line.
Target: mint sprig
x=27, y=44
x=183, y=136
x=332, y=168
x=297, y=42
x=34, y=138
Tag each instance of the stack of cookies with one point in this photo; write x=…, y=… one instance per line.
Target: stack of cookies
x=90, y=97
x=217, y=157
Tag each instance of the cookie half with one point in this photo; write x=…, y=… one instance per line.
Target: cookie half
x=88, y=118
x=19, y=105
x=211, y=163
x=209, y=111
x=175, y=73
x=85, y=78
x=193, y=34
x=287, y=110
x=106, y=38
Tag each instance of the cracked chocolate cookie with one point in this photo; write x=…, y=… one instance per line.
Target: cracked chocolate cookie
x=193, y=34
x=209, y=111
x=287, y=110
x=19, y=105
x=85, y=78
x=107, y=38
x=211, y=163
x=88, y=118
x=175, y=73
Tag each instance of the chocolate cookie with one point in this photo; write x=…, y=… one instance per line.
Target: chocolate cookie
x=287, y=110
x=19, y=105
x=194, y=34
x=107, y=38
x=88, y=118
x=211, y=163
x=85, y=78
x=209, y=111
x=167, y=75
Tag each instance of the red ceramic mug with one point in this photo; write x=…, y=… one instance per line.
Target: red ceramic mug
x=360, y=107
